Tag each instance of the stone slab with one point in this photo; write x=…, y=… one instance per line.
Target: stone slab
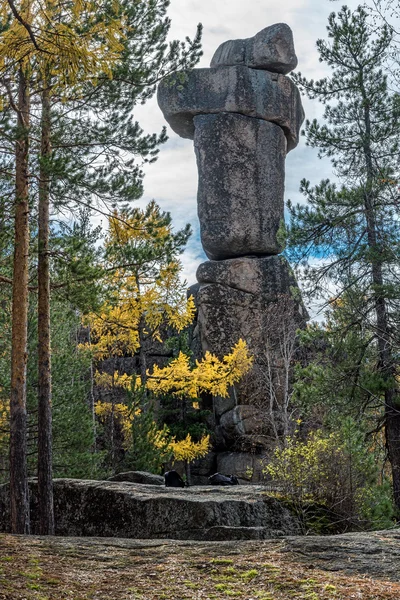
x=115, y=509
x=236, y=89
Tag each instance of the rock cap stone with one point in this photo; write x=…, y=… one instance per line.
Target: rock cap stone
x=271, y=49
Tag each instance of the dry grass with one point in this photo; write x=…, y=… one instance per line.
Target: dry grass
x=49, y=569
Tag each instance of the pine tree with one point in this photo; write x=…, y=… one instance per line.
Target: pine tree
x=352, y=232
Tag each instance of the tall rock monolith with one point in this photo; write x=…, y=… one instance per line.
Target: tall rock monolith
x=244, y=115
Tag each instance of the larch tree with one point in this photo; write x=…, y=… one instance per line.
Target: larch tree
x=144, y=294
x=352, y=232
x=147, y=302
x=145, y=290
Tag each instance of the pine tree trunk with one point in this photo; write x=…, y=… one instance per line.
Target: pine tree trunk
x=385, y=349
x=19, y=497
x=45, y=466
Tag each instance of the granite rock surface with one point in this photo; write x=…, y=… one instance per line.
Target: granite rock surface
x=116, y=509
x=247, y=298
x=138, y=477
x=241, y=166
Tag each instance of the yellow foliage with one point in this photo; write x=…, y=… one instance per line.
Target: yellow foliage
x=138, y=227
x=4, y=421
x=64, y=41
x=303, y=468
x=123, y=380
x=209, y=375
x=123, y=415
x=147, y=294
x=160, y=439
x=188, y=450
x=115, y=328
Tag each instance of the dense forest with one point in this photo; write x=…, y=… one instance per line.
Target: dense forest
x=85, y=309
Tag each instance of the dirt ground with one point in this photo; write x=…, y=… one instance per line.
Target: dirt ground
x=359, y=566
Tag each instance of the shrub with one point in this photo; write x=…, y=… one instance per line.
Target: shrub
x=333, y=471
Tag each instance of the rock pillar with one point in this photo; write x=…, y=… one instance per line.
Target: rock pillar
x=244, y=115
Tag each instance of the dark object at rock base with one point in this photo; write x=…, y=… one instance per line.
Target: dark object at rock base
x=218, y=479
x=173, y=479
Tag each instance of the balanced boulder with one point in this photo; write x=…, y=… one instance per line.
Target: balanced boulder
x=271, y=49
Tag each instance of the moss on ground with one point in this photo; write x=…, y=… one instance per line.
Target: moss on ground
x=46, y=569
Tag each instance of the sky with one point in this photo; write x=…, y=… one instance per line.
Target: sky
x=172, y=180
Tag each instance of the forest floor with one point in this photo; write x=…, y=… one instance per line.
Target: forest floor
x=351, y=566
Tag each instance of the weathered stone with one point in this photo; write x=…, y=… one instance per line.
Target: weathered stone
x=269, y=276
x=253, y=442
x=235, y=300
x=129, y=510
x=238, y=89
x=138, y=477
x=247, y=467
x=204, y=466
x=223, y=405
x=246, y=428
x=242, y=420
x=271, y=49
x=373, y=556
x=241, y=164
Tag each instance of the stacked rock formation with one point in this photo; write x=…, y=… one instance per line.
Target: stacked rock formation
x=244, y=115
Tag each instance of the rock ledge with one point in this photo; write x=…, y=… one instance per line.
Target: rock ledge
x=129, y=510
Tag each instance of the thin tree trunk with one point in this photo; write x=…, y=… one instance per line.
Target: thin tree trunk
x=112, y=425
x=45, y=463
x=188, y=473
x=19, y=497
x=386, y=362
x=91, y=401
x=142, y=354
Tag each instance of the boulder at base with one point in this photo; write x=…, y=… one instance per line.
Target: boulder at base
x=129, y=510
x=138, y=477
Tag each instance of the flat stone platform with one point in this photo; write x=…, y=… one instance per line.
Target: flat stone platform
x=140, y=511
